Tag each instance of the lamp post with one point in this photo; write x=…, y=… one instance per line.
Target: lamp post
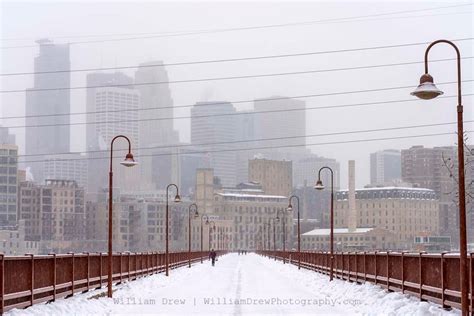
x=319, y=186
x=177, y=199
x=269, y=224
x=264, y=246
x=207, y=222
x=427, y=90
x=196, y=214
x=284, y=231
x=128, y=162
x=290, y=208
x=274, y=238
x=213, y=227
x=267, y=227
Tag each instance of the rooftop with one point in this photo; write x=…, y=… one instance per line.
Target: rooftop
x=327, y=231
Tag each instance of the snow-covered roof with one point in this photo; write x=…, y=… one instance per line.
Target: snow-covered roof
x=242, y=195
x=392, y=188
x=327, y=231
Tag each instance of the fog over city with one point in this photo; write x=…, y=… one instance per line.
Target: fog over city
x=181, y=32
x=236, y=157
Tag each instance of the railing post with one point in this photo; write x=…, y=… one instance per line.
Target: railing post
x=120, y=266
x=54, y=276
x=442, y=280
x=356, y=266
x=375, y=256
x=420, y=276
x=129, y=273
x=365, y=271
x=72, y=276
x=342, y=269
x=88, y=269
x=100, y=268
x=388, y=271
x=403, y=272
x=32, y=276
x=349, y=263
x=2, y=283
x=470, y=282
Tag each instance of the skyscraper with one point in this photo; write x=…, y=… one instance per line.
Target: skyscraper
x=424, y=167
x=385, y=167
x=98, y=155
x=156, y=103
x=100, y=79
x=6, y=137
x=275, y=176
x=156, y=117
x=8, y=184
x=291, y=123
x=117, y=114
x=53, y=138
x=66, y=167
x=208, y=128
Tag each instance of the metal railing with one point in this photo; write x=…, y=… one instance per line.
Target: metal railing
x=430, y=277
x=31, y=279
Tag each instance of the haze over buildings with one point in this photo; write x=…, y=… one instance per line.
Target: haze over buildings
x=48, y=107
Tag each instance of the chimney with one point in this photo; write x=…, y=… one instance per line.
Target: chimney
x=352, y=215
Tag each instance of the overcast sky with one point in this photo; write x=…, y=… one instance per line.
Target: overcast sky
x=69, y=21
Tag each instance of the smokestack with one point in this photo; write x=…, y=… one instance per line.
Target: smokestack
x=352, y=215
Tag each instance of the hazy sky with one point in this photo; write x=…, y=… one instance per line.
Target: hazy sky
x=69, y=21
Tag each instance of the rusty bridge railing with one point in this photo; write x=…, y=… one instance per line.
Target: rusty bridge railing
x=430, y=277
x=31, y=279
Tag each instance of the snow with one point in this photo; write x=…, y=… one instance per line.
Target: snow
x=327, y=231
x=261, y=196
x=240, y=285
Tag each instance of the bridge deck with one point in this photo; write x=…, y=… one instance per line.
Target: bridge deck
x=239, y=285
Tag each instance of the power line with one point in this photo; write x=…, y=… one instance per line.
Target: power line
x=232, y=59
x=246, y=28
x=265, y=147
x=237, y=113
x=191, y=105
x=165, y=33
x=261, y=112
x=252, y=140
x=171, y=82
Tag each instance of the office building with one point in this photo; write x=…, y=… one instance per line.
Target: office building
x=276, y=177
x=216, y=123
x=48, y=107
x=8, y=184
x=385, y=167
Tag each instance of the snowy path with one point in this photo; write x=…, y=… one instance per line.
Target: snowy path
x=240, y=285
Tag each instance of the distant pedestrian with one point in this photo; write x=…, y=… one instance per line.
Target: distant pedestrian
x=212, y=256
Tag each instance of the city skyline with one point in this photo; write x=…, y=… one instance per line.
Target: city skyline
x=116, y=54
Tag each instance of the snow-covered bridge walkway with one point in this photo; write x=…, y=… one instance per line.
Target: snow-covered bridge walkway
x=239, y=285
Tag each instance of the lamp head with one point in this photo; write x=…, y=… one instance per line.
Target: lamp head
x=319, y=185
x=196, y=214
x=289, y=208
x=129, y=161
x=278, y=219
x=177, y=198
x=426, y=90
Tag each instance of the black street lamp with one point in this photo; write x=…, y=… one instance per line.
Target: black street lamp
x=284, y=231
x=177, y=199
x=207, y=222
x=213, y=228
x=196, y=214
x=427, y=90
x=319, y=186
x=290, y=208
x=128, y=162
